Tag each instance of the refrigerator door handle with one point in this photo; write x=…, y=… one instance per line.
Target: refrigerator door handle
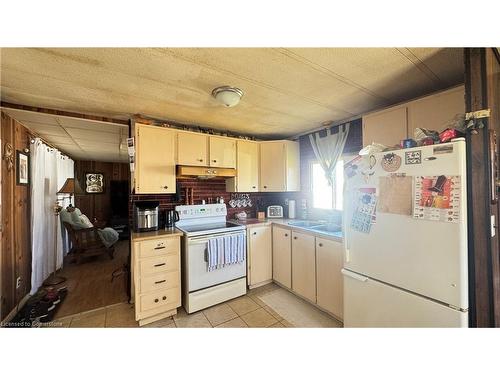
x=353, y=275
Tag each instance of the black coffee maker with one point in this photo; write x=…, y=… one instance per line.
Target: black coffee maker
x=171, y=217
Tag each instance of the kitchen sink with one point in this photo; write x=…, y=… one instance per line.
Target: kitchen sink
x=318, y=226
x=305, y=223
x=328, y=228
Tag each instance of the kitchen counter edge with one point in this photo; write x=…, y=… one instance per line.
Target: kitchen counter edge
x=171, y=232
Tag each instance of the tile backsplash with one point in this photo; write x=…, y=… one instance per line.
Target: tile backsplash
x=213, y=188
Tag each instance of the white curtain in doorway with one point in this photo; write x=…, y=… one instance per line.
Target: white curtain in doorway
x=48, y=168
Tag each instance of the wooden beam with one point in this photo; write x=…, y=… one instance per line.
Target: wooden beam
x=484, y=259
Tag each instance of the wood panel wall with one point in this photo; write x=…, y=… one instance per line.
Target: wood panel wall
x=15, y=242
x=98, y=205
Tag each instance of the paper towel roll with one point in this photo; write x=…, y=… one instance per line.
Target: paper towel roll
x=291, y=209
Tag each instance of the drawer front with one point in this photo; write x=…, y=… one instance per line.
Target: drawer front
x=167, y=299
x=150, y=266
x=161, y=246
x=164, y=280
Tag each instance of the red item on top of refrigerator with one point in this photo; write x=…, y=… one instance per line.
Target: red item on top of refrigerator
x=448, y=134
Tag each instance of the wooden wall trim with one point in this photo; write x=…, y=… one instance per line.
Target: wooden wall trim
x=484, y=261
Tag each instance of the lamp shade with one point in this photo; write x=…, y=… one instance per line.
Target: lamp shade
x=68, y=187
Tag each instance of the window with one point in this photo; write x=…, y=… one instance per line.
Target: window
x=326, y=196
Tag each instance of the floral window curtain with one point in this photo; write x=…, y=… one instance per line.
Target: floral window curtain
x=329, y=148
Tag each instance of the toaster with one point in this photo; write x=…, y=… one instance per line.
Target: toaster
x=275, y=211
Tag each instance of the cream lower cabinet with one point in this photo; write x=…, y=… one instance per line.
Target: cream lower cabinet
x=192, y=149
x=304, y=265
x=279, y=166
x=260, y=255
x=156, y=277
x=155, y=160
x=247, y=168
x=329, y=281
x=282, y=256
x=222, y=151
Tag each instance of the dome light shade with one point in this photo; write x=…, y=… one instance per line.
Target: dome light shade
x=227, y=95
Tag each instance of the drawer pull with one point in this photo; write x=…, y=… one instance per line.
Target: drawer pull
x=294, y=238
x=254, y=233
x=164, y=298
x=159, y=247
x=286, y=234
x=159, y=282
x=157, y=300
x=160, y=264
x=320, y=245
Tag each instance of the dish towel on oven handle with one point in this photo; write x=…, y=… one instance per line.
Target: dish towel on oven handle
x=226, y=250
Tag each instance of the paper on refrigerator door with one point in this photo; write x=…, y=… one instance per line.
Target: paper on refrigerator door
x=395, y=195
x=437, y=198
x=364, y=212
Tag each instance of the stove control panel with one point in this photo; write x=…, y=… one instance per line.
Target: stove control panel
x=196, y=211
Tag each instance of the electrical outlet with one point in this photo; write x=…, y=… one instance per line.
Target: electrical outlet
x=18, y=282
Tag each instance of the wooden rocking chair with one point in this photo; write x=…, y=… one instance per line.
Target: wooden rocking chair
x=86, y=243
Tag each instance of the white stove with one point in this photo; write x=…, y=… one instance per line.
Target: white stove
x=202, y=288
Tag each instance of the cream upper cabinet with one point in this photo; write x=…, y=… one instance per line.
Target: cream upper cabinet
x=304, y=265
x=390, y=126
x=435, y=111
x=192, y=149
x=279, y=166
x=222, y=152
x=329, y=281
x=260, y=259
x=387, y=127
x=282, y=256
x=155, y=160
x=247, y=168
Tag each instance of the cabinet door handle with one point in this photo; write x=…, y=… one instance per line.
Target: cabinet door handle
x=164, y=298
x=159, y=247
x=286, y=234
x=165, y=187
x=159, y=265
x=320, y=244
x=253, y=187
x=214, y=161
x=156, y=300
x=200, y=159
x=159, y=282
x=265, y=187
x=254, y=233
x=294, y=238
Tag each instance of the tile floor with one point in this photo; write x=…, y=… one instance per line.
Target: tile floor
x=242, y=312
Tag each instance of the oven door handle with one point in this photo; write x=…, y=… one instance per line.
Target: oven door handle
x=206, y=238
x=206, y=255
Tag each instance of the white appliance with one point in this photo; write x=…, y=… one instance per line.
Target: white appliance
x=201, y=288
x=407, y=271
x=275, y=211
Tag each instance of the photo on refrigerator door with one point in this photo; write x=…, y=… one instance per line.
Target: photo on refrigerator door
x=437, y=198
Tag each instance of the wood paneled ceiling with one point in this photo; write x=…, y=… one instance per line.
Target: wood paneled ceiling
x=287, y=90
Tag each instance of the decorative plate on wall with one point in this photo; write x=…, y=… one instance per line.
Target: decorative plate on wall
x=94, y=183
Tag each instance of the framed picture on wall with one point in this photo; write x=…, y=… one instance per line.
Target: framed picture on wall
x=22, y=168
x=94, y=183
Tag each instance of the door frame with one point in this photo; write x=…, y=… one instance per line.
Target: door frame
x=482, y=66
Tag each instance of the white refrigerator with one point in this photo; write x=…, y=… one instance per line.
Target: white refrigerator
x=405, y=238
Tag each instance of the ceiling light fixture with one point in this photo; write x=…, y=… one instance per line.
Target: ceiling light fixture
x=227, y=95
